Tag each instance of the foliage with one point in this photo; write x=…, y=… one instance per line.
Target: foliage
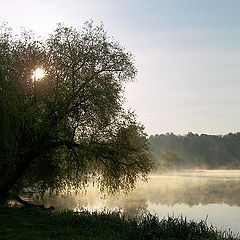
x=39, y=224
x=199, y=151
x=69, y=127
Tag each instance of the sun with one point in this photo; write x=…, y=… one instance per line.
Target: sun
x=38, y=74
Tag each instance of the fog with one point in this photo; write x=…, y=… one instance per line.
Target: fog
x=189, y=187
x=195, y=194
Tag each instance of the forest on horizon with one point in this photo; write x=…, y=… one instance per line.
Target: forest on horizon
x=203, y=151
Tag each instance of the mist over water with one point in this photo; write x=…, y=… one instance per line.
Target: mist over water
x=199, y=194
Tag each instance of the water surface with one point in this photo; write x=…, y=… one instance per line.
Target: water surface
x=212, y=195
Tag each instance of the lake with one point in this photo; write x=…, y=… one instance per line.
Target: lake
x=213, y=195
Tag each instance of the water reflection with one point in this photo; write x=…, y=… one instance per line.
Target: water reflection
x=186, y=193
x=190, y=188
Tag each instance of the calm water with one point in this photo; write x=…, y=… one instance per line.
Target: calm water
x=196, y=195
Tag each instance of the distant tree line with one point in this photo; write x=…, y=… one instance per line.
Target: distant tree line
x=196, y=151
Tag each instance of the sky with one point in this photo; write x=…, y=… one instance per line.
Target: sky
x=187, y=53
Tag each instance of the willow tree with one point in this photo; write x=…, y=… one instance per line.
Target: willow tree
x=68, y=127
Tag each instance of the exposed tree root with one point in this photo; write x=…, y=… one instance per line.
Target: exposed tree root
x=30, y=205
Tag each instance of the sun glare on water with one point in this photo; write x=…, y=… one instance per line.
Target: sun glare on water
x=38, y=74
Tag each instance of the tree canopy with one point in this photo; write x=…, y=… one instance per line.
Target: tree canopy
x=69, y=127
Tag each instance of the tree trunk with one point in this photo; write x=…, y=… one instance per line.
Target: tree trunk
x=17, y=173
x=24, y=161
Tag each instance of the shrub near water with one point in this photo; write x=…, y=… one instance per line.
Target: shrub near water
x=38, y=224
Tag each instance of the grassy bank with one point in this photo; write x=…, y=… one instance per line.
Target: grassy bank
x=21, y=223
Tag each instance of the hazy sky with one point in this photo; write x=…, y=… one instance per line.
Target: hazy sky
x=187, y=53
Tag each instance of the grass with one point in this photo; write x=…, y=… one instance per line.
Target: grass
x=22, y=223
